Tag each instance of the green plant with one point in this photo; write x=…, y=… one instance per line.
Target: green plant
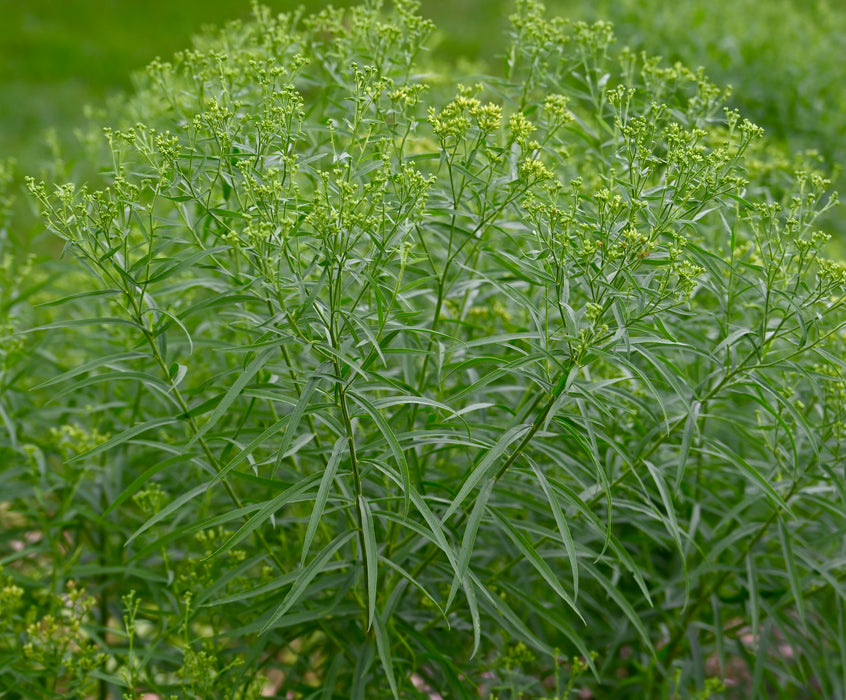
x=780, y=57
x=742, y=43
x=389, y=384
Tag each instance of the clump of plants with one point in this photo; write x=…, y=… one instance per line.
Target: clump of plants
x=380, y=384
x=780, y=58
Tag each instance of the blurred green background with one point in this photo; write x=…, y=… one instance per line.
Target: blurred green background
x=785, y=58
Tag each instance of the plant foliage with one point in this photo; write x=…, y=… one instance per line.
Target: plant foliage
x=370, y=384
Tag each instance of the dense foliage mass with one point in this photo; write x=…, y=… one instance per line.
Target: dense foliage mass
x=779, y=57
x=370, y=384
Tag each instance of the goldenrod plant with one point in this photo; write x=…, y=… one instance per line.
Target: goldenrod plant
x=361, y=379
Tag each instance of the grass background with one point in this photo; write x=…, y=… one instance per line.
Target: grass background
x=56, y=57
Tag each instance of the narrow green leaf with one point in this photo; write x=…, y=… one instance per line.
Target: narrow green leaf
x=583, y=431
x=371, y=557
x=228, y=516
x=266, y=511
x=486, y=466
x=123, y=571
x=468, y=541
x=612, y=590
x=174, y=505
x=393, y=443
x=247, y=450
x=557, y=616
x=735, y=459
x=330, y=681
x=163, y=272
x=322, y=496
x=435, y=527
x=96, y=363
x=363, y=663
x=437, y=530
x=792, y=573
x=141, y=480
x=499, y=609
x=752, y=587
x=368, y=333
x=306, y=576
x=80, y=295
x=414, y=582
x=177, y=374
x=475, y=618
x=10, y=427
x=531, y=555
x=299, y=411
x=405, y=399
x=123, y=437
x=80, y=323
x=308, y=616
x=790, y=407
x=240, y=596
x=671, y=520
x=154, y=384
x=687, y=437
x=163, y=325
x=583, y=507
x=730, y=342
x=719, y=630
x=561, y=523
x=233, y=393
